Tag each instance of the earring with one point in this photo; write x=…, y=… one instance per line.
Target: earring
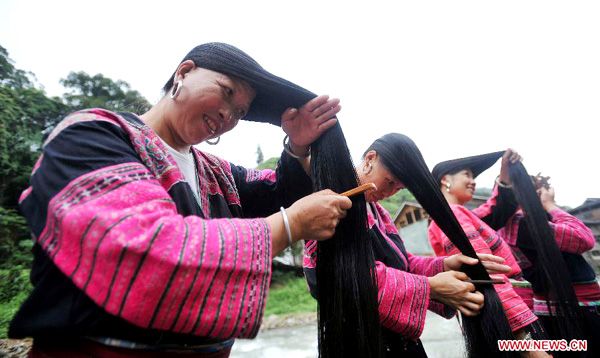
x=215, y=142
x=367, y=170
x=176, y=89
x=448, y=187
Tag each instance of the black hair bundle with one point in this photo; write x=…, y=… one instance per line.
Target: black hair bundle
x=347, y=305
x=553, y=272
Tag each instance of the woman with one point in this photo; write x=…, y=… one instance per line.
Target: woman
x=573, y=238
x=407, y=285
x=457, y=184
x=146, y=246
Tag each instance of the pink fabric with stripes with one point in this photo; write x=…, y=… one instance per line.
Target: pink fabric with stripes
x=403, y=296
x=571, y=236
x=129, y=234
x=487, y=241
x=117, y=234
x=570, y=233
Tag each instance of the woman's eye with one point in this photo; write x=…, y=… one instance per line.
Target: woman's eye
x=228, y=91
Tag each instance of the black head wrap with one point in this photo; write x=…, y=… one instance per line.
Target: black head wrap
x=477, y=163
x=273, y=94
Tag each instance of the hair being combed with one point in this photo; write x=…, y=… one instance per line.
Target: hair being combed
x=347, y=309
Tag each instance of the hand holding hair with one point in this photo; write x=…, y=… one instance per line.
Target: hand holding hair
x=316, y=216
x=451, y=289
x=313, y=217
x=306, y=124
x=510, y=157
x=492, y=263
x=547, y=198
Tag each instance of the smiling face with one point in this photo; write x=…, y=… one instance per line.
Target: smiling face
x=208, y=104
x=373, y=171
x=462, y=186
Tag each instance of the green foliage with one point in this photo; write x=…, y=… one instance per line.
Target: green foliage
x=290, y=295
x=101, y=92
x=27, y=115
x=14, y=289
x=393, y=203
x=15, y=242
x=270, y=163
x=8, y=309
x=13, y=281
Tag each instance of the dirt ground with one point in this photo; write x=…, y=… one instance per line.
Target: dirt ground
x=14, y=348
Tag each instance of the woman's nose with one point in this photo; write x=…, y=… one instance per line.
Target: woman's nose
x=226, y=114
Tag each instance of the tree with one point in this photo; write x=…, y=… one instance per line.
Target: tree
x=27, y=115
x=393, y=203
x=101, y=92
x=270, y=163
x=259, y=155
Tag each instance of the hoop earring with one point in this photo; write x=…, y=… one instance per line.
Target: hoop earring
x=448, y=187
x=176, y=89
x=367, y=170
x=215, y=142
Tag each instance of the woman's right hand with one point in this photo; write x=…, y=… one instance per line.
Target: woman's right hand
x=510, y=157
x=451, y=289
x=317, y=215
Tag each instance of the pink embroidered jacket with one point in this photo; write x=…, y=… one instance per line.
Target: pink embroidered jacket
x=485, y=240
x=124, y=248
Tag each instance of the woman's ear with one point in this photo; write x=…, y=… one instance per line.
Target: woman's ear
x=184, y=68
x=446, y=179
x=370, y=156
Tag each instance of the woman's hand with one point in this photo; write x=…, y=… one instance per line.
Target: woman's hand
x=451, y=289
x=510, y=157
x=306, y=124
x=547, y=198
x=313, y=217
x=317, y=215
x=492, y=263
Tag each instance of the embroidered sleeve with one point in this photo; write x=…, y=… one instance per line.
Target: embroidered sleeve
x=403, y=296
x=109, y=225
x=426, y=266
x=262, y=192
x=496, y=211
x=570, y=233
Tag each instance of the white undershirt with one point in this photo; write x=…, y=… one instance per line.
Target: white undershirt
x=186, y=164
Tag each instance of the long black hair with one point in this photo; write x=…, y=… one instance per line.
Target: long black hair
x=402, y=158
x=553, y=273
x=347, y=304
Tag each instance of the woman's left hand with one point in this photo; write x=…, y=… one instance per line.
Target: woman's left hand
x=306, y=124
x=492, y=263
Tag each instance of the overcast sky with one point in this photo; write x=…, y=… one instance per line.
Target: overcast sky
x=459, y=77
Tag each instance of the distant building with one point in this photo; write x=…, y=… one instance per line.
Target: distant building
x=589, y=214
x=412, y=221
